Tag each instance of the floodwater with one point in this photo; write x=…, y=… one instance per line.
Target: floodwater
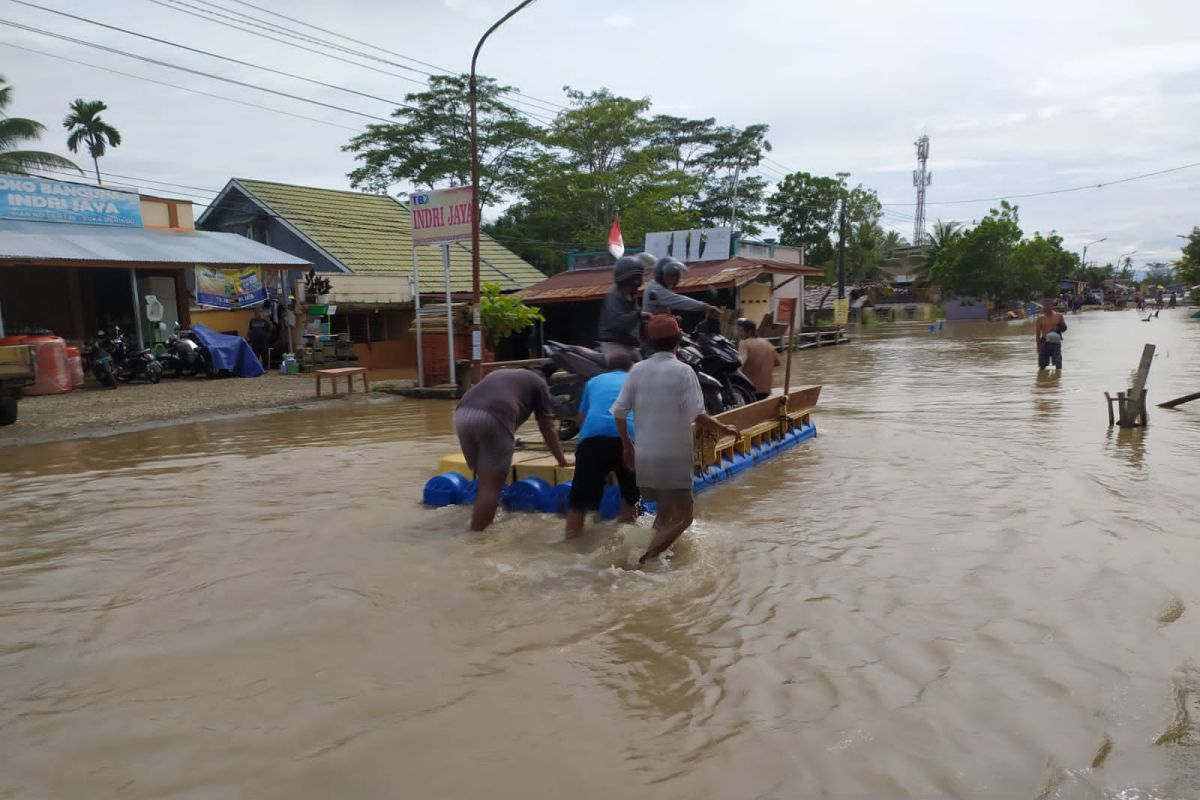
x=966, y=586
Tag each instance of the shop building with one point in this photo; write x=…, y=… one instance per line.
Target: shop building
x=77, y=258
x=363, y=244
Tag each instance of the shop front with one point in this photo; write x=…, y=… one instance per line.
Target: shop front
x=76, y=259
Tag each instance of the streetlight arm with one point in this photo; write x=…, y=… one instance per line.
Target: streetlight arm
x=484, y=38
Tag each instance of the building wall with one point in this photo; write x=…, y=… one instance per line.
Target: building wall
x=755, y=301
x=235, y=322
x=960, y=308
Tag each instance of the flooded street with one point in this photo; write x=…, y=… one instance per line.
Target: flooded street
x=967, y=585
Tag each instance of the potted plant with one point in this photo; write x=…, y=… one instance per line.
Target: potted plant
x=317, y=288
x=503, y=315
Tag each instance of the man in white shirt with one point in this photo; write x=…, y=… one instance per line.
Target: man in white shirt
x=664, y=395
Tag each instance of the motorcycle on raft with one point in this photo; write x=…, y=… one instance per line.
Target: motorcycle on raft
x=714, y=357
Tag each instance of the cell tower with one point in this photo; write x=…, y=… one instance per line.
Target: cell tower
x=921, y=178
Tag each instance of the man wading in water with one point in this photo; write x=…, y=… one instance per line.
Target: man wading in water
x=664, y=395
x=1049, y=330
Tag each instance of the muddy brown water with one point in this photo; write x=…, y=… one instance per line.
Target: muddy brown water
x=966, y=586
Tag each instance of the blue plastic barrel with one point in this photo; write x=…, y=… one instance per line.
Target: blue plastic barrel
x=447, y=489
x=562, y=494
x=528, y=494
x=610, y=502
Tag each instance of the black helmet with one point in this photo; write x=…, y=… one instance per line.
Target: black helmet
x=648, y=260
x=628, y=270
x=668, y=266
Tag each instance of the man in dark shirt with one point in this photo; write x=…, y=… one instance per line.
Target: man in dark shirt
x=620, y=314
x=486, y=422
x=259, y=334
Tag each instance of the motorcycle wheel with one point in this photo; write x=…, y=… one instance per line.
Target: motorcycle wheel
x=153, y=373
x=105, y=376
x=741, y=396
x=713, y=403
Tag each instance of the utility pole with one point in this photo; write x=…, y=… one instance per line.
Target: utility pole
x=737, y=174
x=842, y=250
x=921, y=178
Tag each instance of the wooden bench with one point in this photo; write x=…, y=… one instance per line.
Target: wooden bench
x=348, y=373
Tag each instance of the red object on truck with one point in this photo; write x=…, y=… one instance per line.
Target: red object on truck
x=75, y=366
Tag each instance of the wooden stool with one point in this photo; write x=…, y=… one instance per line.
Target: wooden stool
x=348, y=372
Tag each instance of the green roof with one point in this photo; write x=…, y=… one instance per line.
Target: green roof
x=372, y=234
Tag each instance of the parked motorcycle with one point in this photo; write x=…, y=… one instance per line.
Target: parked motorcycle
x=185, y=355
x=100, y=362
x=129, y=363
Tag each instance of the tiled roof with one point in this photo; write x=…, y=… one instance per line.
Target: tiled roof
x=593, y=284
x=371, y=233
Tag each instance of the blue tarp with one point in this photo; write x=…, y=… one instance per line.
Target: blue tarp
x=230, y=353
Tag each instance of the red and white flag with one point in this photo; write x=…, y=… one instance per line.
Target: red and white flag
x=616, y=245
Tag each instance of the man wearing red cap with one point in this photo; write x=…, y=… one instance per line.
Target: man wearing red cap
x=664, y=395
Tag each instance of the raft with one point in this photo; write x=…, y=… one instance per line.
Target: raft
x=766, y=429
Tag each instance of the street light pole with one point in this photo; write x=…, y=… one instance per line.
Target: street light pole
x=476, y=211
x=1083, y=258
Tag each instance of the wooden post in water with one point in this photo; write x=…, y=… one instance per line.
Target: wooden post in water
x=1133, y=409
x=787, y=308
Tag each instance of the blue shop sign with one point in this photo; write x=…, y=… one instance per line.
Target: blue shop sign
x=41, y=200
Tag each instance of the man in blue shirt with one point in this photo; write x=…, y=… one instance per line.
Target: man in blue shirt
x=599, y=452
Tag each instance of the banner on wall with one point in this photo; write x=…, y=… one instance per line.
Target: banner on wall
x=212, y=288
x=229, y=288
x=250, y=288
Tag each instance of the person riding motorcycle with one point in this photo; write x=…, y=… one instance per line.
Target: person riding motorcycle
x=658, y=297
x=620, y=315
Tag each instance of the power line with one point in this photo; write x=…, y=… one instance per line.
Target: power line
x=1057, y=191
x=177, y=86
x=181, y=68
x=239, y=23
x=211, y=54
x=380, y=49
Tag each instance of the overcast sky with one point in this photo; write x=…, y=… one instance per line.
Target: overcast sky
x=1016, y=97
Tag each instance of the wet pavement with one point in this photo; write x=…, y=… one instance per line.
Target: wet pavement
x=967, y=585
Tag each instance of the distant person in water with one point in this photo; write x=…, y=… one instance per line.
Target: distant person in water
x=1049, y=329
x=486, y=422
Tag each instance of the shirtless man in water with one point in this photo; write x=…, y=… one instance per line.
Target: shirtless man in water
x=1049, y=340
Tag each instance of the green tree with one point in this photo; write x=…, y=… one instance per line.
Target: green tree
x=15, y=131
x=603, y=161
x=869, y=250
x=1158, y=273
x=1038, y=265
x=1188, y=266
x=85, y=127
x=942, y=234
x=430, y=144
x=728, y=189
x=805, y=208
x=978, y=263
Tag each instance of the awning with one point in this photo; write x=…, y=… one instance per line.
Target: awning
x=370, y=290
x=97, y=245
x=593, y=284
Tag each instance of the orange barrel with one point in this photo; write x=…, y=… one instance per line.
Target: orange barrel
x=6, y=341
x=53, y=371
x=75, y=366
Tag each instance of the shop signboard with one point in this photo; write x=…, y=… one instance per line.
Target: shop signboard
x=443, y=215
x=40, y=200
x=701, y=244
x=841, y=311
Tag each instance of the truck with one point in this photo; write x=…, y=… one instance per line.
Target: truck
x=17, y=370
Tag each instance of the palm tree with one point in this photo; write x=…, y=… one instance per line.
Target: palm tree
x=86, y=127
x=942, y=235
x=16, y=130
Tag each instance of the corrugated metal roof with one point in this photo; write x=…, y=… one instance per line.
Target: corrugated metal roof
x=370, y=233
x=58, y=241
x=593, y=284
